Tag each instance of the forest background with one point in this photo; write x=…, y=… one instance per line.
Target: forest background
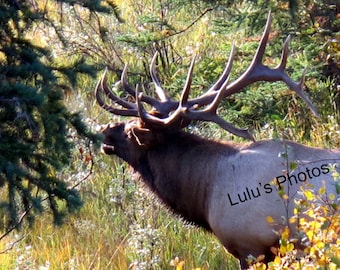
x=51, y=172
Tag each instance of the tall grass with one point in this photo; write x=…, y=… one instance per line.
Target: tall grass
x=122, y=225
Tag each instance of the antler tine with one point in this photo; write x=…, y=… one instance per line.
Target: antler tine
x=210, y=114
x=124, y=83
x=112, y=96
x=259, y=72
x=162, y=107
x=187, y=85
x=101, y=86
x=256, y=68
x=295, y=86
x=159, y=90
x=284, y=54
x=141, y=110
x=226, y=72
x=263, y=42
x=252, y=74
x=174, y=120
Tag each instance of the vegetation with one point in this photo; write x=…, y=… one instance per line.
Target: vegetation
x=47, y=159
x=35, y=129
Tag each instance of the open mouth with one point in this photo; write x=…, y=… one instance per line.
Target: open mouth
x=107, y=149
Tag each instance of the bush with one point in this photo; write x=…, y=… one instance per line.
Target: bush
x=317, y=246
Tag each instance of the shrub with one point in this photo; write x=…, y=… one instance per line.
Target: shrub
x=318, y=231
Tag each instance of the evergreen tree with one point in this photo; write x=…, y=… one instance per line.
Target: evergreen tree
x=34, y=122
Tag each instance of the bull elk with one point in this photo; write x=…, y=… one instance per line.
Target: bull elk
x=226, y=188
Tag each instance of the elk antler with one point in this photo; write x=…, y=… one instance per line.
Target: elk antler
x=170, y=114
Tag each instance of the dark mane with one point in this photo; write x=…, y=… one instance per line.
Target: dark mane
x=160, y=175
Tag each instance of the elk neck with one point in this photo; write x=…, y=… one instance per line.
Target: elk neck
x=180, y=171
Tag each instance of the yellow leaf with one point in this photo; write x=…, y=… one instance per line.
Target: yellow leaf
x=180, y=265
x=309, y=195
x=292, y=220
x=270, y=219
x=303, y=221
x=290, y=247
x=322, y=190
x=310, y=213
x=310, y=234
x=260, y=266
x=285, y=196
x=320, y=245
x=283, y=250
x=285, y=233
x=277, y=261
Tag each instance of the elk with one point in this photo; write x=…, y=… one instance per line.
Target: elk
x=227, y=188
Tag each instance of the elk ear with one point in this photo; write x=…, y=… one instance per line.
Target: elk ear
x=143, y=136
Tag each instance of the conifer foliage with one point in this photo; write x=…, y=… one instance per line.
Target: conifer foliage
x=34, y=122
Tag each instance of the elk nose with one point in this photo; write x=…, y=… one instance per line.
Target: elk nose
x=103, y=127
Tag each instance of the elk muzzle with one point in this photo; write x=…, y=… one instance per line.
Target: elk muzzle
x=107, y=146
